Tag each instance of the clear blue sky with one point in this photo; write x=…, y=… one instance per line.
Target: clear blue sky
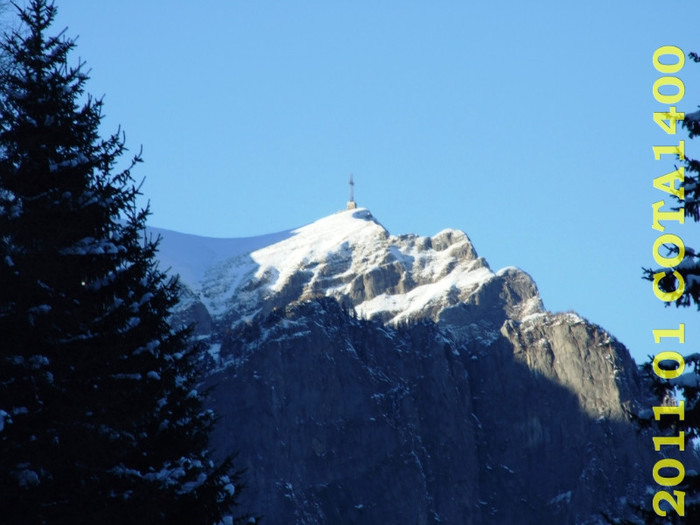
x=525, y=124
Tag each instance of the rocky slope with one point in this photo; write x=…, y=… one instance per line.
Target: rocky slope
x=371, y=378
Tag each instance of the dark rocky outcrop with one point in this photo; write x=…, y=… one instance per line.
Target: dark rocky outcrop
x=344, y=421
x=341, y=420
x=369, y=378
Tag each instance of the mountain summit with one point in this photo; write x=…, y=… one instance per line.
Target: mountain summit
x=348, y=256
x=372, y=378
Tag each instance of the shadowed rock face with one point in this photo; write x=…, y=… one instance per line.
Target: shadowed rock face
x=553, y=396
x=346, y=422
x=341, y=420
x=369, y=378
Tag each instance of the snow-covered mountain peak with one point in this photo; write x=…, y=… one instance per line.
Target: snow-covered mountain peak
x=351, y=257
x=346, y=225
x=384, y=389
x=324, y=242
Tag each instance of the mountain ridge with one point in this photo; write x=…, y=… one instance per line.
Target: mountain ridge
x=348, y=255
x=354, y=369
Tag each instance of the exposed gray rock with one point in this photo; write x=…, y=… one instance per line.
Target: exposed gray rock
x=370, y=378
x=344, y=421
x=553, y=397
x=341, y=420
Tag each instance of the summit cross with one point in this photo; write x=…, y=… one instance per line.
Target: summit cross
x=351, y=203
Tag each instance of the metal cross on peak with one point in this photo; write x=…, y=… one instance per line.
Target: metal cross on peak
x=351, y=203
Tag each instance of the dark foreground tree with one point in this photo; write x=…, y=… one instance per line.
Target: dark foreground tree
x=684, y=390
x=100, y=421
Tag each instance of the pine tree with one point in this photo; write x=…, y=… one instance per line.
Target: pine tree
x=100, y=419
x=686, y=390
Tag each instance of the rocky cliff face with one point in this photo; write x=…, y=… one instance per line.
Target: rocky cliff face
x=369, y=378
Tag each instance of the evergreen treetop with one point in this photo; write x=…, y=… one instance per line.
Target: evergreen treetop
x=100, y=419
